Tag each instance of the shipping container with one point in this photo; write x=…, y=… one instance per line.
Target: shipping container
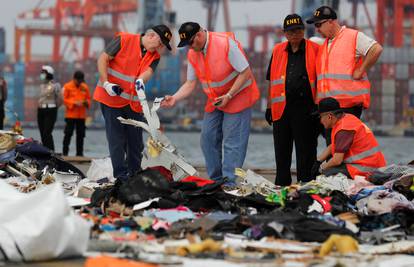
x=388, y=87
x=388, y=71
x=387, y=103
x=402, y=71
x=388, y=118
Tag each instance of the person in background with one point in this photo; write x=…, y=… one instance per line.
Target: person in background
x=354, y=149
x=292, y=90
x=128, y=61
x=50, y=99
x=3, y=99
x=77, y=101
x=219, y=63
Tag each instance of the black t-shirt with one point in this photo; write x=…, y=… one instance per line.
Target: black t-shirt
x=115, y=45
x=297, y=83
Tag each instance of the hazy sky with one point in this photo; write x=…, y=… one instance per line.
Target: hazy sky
x=242, y=13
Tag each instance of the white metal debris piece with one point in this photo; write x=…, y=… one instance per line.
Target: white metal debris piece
x=158, y=145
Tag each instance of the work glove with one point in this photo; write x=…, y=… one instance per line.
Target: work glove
x=139, y=84
x=268, y=116
x=315, y=168
x=112, y=89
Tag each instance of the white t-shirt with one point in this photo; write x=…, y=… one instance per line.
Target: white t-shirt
x=236, y=58
x=364, y=43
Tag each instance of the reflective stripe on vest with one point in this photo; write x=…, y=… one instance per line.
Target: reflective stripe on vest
x=277, y=82
x=123, y=94
x=230, y=77
x=335, y=76
x=121, y=76
x=362, y=155
x=278, y=99
x=363, y=168
x=335, y=92
x=244, y=86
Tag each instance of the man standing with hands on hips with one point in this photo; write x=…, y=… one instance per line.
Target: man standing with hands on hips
x=129, y=60
x=219, y=63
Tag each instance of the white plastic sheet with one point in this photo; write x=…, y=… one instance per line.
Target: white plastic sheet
x=100, y=168
x=39, y=225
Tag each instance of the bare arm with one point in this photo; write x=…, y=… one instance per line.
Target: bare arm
x=185, y=90
x=146, y=75
x=325, y=154
x=336, y=160
x=103, y=62
x=240, y=80
x=372, y=57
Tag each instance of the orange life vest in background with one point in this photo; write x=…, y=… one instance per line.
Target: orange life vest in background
x=73, y=94
x=364, y=156
x=335, y=67
x=123, y=70
x=278, y=75
x=217, y=75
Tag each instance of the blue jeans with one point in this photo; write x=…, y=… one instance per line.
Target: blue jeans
x=224, y=139
x=125, y=141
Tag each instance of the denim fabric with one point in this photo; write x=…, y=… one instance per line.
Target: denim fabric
x=224, y=139
x=125, y=141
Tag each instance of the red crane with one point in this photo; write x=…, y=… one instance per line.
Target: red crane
x=72, y=19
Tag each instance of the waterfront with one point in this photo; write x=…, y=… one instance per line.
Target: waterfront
x=260, y=152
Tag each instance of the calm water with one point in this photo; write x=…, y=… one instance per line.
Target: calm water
x=260, y=152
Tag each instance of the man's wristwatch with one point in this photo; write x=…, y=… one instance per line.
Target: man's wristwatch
x=229, y=95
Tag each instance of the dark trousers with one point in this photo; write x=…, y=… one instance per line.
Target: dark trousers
x=46, y=118
x=355, y=110
x=1, y=115
x=125, y=141
x=70, y=126
x=299, y=126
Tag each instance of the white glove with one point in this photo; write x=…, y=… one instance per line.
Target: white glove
x=112, y=88
x=139, y=84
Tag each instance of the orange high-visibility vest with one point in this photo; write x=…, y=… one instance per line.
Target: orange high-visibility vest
x=278, y=75
x=217, y=75
x=335, y=67
x=364, y=156
x=72, y=94
x=123, y=70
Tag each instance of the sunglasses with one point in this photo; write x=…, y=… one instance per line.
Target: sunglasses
x=319, y=24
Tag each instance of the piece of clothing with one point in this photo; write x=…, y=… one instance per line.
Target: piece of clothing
x=3, y=99
x=50, y=95
x=114, y=47
x=297, y=126
x=123, y=70
x=363, y=44
x=217, y=75
x=335, y=67
x=125, y=141
x=224, y=139
x=235, y=56
x=76, y=99
x=70, y=126
x=46, y=118
x=3, y=90
x=364, y=155
x=2, y=115
x=292, y=76
x=343, y=141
